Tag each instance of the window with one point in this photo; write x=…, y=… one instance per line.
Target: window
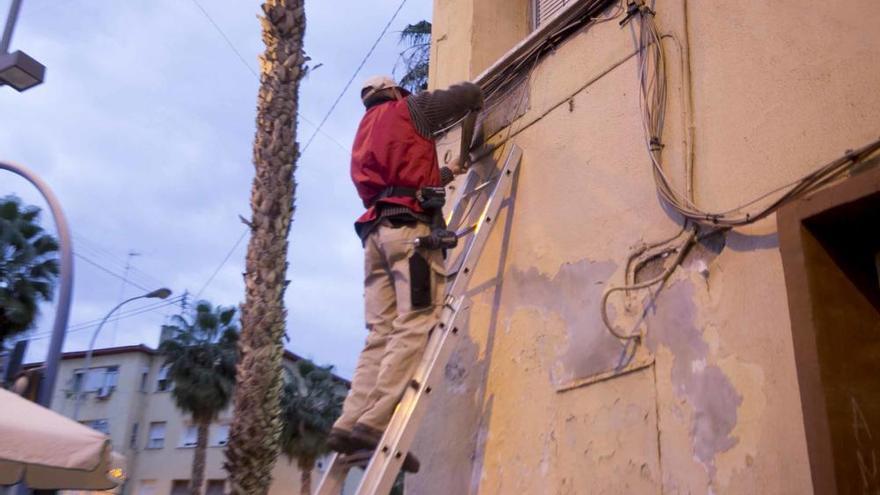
x=147, y=487
x=180, y=487
x=190, y=436
x=156, y=439
x=102, y=380
x=544, y=10
x=163, y=383
x=145, y=373
x=221, y=436
x=216, y=487
x=133, y=439
x=102, y=425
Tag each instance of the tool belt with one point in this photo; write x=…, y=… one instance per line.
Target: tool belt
x=431, y=199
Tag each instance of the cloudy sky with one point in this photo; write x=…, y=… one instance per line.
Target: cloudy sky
x=144, y=127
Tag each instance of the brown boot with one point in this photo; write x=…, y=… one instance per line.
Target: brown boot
x=339, y=440
x=366, y=438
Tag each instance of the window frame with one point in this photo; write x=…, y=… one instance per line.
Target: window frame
x=534, y=11
x=163, y=382
x=156, y=443
x=133, y=436
x=189, y=431
x=95, y=379
x=215, y=435
x=94, y=423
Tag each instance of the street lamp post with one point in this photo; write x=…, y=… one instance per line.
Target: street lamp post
x=65, y=276
x=17, y=69
x=157, y=294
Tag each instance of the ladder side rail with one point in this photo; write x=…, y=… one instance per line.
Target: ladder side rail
x=334, y=478
x=337, y=469
x=463, y=194
x=485, y=222
x=383, y=468
x=387, y=461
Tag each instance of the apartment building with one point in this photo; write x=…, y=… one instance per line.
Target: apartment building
x=128, y=396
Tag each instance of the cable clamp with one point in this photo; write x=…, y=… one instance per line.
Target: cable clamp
x=633, y=8
x=655, y=145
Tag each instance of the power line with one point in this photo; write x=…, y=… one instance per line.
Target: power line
x=254, y=72
x=108, y=271
x=228, y=41
x=97, y=251
x=222, y=263
x=356, y=71
x=119, y=316
x=126, y=312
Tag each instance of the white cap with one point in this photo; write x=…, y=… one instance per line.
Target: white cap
x=377, y=83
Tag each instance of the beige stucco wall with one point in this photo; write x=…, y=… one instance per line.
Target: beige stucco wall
x=780, y=88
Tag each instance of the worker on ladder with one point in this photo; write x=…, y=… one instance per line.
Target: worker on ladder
x=395, y=170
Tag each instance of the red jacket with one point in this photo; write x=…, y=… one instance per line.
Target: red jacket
x=388, y=151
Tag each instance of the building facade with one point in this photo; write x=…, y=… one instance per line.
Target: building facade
x=128, y=397
x=718, y=395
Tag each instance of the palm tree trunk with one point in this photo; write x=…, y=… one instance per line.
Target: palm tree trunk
x=254, y=443
x=306, y=465
x=197, y=478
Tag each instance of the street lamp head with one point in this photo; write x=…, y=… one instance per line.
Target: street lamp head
x=159, y=293
x=20, y=71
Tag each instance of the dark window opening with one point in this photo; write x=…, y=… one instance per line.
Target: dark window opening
x=831, y=251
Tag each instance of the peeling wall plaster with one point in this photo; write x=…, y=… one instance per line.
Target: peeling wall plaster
x=590, y=349
x=704, y=387
x=719, y=410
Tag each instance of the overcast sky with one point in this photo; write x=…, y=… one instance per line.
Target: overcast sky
x=144, y=127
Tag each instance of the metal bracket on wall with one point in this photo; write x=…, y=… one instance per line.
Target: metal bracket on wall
x=642, y=358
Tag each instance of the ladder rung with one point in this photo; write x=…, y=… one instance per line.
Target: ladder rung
x=386, y=462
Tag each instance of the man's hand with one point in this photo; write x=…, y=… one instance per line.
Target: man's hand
x=455, y=166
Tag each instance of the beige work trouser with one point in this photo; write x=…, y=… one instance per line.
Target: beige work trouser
x=401, y=309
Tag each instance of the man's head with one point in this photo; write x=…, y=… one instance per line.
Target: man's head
x=381, y=88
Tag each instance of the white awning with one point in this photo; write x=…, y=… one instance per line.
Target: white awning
x=49, y=451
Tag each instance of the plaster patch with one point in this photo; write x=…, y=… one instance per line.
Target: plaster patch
x=455, y=373
x=737, y=462
x=571, y=295
x=705, y=388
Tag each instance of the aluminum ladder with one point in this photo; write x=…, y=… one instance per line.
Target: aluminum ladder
x=385, y=462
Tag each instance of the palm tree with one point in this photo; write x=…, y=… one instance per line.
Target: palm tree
x=200, y=353
x=416, y=56
x=28, y=266
x=311, y=402
x=254, y=435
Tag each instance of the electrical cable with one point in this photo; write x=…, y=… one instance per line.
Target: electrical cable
x=97, y=251
x=652, y=101
x=109, y=272
x=603, y=307
x=354, y=75
x=254, y=72
x=470, y=196
x=118, y=316
x=222, y=263
x=129, y=312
